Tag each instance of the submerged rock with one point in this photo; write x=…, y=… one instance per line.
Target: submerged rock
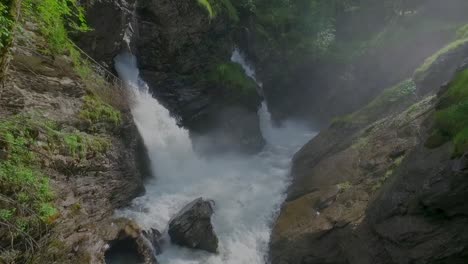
x=192, y=227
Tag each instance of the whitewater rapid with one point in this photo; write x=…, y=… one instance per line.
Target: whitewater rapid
x=247, y=190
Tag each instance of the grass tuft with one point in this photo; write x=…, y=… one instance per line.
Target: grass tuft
x=95, y=110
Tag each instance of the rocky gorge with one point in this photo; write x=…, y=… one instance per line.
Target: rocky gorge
x=96, y=168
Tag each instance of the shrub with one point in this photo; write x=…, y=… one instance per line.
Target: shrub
x=56, y=18
x=6, y=24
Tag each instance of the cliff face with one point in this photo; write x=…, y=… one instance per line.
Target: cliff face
x=184, y=56
x=68, y=159
x=369, y=190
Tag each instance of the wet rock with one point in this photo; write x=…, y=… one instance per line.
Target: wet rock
x=128, y=241
x=153, y=236
x=192, y=227
x=112, y=22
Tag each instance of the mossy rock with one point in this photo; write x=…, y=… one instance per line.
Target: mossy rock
x=233, y=77
x=451, y=122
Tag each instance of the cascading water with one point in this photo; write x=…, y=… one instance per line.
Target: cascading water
x=247, y=189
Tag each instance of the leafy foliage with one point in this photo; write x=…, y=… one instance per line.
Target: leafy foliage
x=56, y=18
x=6, y=23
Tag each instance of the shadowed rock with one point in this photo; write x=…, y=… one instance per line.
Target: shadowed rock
x=192, y=227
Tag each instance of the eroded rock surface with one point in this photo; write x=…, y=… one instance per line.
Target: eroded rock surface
x=366, y=193
x=88, y=188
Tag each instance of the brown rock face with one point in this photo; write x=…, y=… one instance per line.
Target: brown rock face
x=375, y=194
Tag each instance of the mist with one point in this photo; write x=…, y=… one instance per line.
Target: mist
x=247, y=189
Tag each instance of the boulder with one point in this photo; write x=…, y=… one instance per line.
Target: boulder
x=192, y=227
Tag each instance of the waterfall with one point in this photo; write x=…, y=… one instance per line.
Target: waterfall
x=248, y=190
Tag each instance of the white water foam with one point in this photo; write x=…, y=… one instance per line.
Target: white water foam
x=248, y=190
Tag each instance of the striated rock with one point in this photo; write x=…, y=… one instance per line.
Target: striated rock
x=192, y=227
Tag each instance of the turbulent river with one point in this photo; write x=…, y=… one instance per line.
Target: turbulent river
x=248, y=190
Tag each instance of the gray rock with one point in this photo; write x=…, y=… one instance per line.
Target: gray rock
x=192, y=227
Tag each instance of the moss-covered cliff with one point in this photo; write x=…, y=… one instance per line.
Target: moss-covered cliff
x=68, y=145
x=385, y=184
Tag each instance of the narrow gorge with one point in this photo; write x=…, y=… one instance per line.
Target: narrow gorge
x=238, y=132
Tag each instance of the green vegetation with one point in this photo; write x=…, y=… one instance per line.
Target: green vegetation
x=429, y=61
x=27, y=143
x=213, y=7
x=6, y=23
x=389, y=99
x=232, y=75
x=80, y=145
x=95, y=110
x=451, y=122
x=462, y=32
x=207, y=5
x=56, y=19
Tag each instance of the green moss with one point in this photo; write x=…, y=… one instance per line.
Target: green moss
x=95, y=110
x=462, y=32
x=429, y=61
x=451, y=122
x=344, y=186
x=79, y=145
x=26, y=196
x=387, y=100
x=233, y=76
x=207, y=5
